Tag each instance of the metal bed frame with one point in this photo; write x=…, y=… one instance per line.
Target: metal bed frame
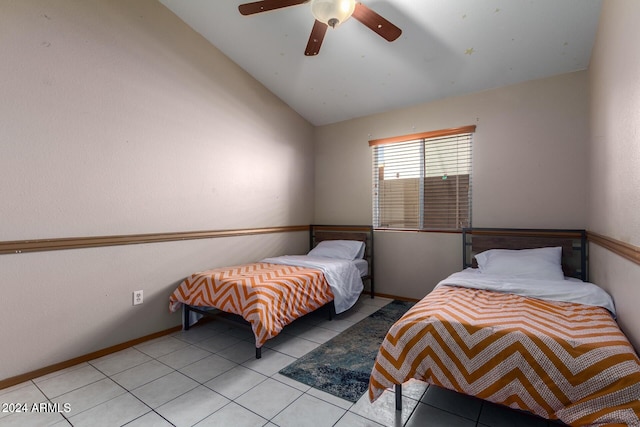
x=317, y=234
x=476, y=240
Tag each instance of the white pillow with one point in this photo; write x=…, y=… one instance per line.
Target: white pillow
x=540, y=263
x=342, y=249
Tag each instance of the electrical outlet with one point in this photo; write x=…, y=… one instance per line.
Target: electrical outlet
x=137, y=297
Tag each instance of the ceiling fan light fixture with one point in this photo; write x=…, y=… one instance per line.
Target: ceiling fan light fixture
x=332, y=12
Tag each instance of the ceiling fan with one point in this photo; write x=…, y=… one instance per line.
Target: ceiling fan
x=329, y=13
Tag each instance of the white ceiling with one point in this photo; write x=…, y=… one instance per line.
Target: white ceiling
x=447, y=48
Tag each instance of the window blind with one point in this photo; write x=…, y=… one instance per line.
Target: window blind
x=423, y=183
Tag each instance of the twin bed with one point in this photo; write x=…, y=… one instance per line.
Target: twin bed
x=519, y=327
x=274, y=292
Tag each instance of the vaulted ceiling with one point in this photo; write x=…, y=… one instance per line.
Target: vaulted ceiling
x=447, y=48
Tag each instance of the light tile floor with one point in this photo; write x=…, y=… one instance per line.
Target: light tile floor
x=208, y=376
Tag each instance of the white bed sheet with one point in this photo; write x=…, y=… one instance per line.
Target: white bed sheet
x=362, y=265
x=550, y=290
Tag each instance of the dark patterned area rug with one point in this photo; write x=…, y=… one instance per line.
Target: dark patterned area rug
x=342, y=365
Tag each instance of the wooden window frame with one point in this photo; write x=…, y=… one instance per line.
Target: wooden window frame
x=420, y=225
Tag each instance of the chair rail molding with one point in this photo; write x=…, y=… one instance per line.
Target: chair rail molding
x=40, y=245
x=625, y=250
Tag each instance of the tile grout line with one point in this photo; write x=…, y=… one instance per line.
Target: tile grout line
x=199, y=383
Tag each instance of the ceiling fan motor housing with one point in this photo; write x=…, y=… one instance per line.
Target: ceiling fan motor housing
x=332, y=12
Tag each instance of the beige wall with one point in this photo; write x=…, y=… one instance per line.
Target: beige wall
x=118, y=119
x=528, y=171
x=614, y=150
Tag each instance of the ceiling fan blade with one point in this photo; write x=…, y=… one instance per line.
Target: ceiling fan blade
x=265, y=5
x=315, y=39
x=377, y=23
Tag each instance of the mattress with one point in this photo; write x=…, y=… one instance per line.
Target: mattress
x=268, y=296
x=272, y=293
x=342, y=275
x=557, y=359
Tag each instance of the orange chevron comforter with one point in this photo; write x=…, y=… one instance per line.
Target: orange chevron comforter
x=268, y=296
x=560, y=360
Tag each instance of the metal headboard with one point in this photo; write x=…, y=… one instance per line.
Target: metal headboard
x=362, y=233
x=573, y=243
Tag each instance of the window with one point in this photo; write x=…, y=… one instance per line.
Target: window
x=423, y=181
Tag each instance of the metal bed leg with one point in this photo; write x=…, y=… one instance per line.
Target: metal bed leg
x=185, y=318
x=258, y=352
x=398, y=397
